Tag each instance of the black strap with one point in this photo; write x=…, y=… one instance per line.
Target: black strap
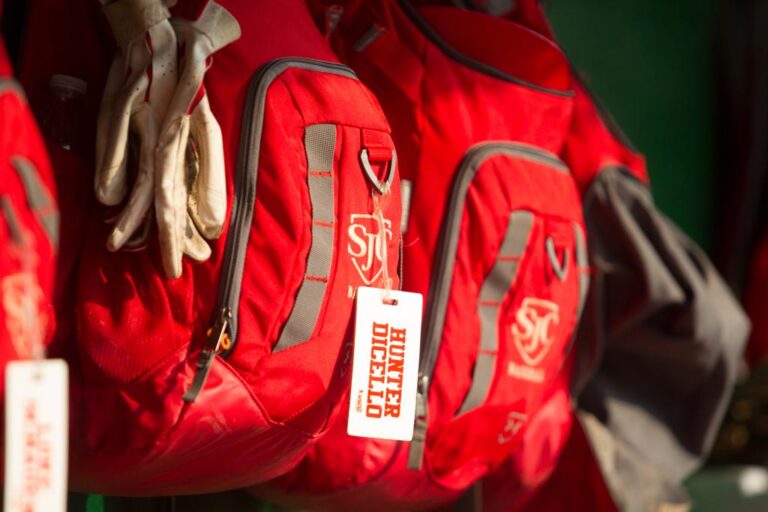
x=472, y=500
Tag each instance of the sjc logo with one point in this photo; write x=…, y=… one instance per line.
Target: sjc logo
x=366, y=245
x=532, y=330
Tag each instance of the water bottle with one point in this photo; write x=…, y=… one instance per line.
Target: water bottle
x=66, y=106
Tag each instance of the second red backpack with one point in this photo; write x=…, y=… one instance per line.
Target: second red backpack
x=495, y=241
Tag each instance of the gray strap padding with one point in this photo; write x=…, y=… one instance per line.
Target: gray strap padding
x=320, y=146
x=11, y=219
x=406, y=188
x=368, y=38
x=39, y=199
x=582, y=266
x=559, y=266
x=661, y=337
x=12, y=86
x=495, y=287
x=635, y=484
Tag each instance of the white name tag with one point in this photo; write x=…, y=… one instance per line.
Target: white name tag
x=386, y=364
x=36, y=436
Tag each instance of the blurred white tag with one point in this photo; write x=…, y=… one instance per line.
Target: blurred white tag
x=36, y=436
x=386, y=364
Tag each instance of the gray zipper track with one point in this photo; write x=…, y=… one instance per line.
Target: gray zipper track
x=483, y=67
x=246, y=177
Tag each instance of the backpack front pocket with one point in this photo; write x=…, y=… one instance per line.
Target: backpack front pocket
x=504, y=302
x=316, y=214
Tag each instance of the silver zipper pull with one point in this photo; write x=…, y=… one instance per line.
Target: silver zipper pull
x=416, y=450
x=218, y=341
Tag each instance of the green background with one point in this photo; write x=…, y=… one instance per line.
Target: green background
x=651, y=65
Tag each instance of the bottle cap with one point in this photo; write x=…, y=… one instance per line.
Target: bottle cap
x=67, y=83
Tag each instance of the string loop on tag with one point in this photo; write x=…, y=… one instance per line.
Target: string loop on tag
x=380, y=202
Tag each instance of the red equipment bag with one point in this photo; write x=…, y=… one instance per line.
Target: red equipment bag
x=495, y=240
x=224, y=377
x=657, y=352
x=29, y=227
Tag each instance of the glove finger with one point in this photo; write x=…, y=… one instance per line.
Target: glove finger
x=135, y=211
x=195, y=245
x=215, y=24
x=164, y=68
x=189, y=84
x=111, y=88
x=208, y=200
x=111, y=175
x=140, y=238
x=171, y=199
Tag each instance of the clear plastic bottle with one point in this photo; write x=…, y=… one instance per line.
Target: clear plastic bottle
x=66, y=106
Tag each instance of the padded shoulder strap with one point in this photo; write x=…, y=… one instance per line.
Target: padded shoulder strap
x=659, y=350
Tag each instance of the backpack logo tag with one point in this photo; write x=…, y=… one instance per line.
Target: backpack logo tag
x=36, y=438
x=532, y=331
x=365, y=246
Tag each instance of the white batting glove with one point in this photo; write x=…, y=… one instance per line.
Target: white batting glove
x=140, y=85
x=190, y=197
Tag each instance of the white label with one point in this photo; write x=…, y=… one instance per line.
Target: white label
x=386, y=364
x=36, y=436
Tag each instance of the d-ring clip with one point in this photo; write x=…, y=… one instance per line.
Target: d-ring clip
x=383, y=188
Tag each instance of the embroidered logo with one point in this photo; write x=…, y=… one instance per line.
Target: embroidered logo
x=365, y=246
x=532, y=330
x=514, y=423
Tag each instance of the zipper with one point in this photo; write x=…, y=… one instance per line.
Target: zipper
x=225, y=321
x=441, y=277
x=216, y=342
x=483, y=67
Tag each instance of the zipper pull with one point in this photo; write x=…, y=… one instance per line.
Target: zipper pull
x=332, y=18
x=416, y=450
x=218, y=341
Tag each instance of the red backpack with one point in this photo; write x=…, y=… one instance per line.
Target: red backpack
x=657, y=353
x=495, y=241
x=29, y=227
x=555, y=463
x=225, y=377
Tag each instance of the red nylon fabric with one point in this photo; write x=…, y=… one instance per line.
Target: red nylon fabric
x=27, y=253
x=592, y=146
x=576, y=481
x=138, y=335
x=439, y=109
x=5, y=63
